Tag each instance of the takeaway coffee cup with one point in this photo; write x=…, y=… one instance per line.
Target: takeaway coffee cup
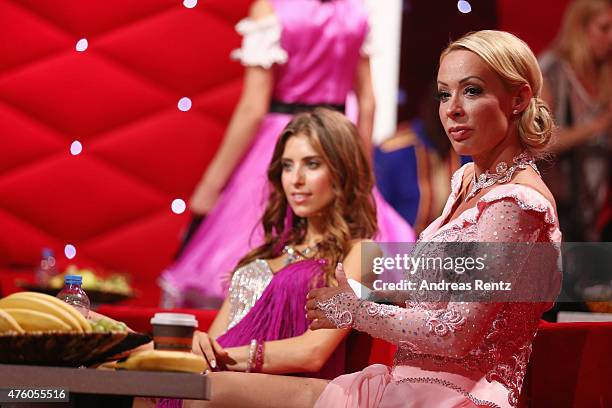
x=173, y=331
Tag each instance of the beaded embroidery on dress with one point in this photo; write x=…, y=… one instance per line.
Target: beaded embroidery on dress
x=246, y=287
x=249, y=282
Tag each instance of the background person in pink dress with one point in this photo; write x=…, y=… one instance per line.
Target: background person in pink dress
x=298, y=54
x=455, y=354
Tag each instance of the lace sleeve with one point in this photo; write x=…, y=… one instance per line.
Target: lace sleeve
x=260, y=42
x=452, y=329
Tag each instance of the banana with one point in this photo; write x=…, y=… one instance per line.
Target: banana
x=31, y=320
x=164, y=360
x=85, y=325
x=41, y=305
x=8, y=324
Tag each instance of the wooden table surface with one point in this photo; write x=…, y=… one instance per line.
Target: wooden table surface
x=107, y=382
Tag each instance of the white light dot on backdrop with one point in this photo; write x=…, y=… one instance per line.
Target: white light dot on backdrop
x=76, y=148
x=190, y=3
x=178, y=206
x=464, y=6
x=184, y=104
x=69, y=251
x=82, y=45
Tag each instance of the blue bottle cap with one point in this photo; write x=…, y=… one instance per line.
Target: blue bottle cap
x=73, y=279
x=47, y=252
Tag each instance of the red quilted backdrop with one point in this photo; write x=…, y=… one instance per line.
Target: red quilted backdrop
x=536, y=22
x=119, y=99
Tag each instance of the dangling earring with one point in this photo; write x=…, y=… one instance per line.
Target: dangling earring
x=288, y=219
x=287, y=227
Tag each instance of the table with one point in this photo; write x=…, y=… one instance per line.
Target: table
x=103, y=382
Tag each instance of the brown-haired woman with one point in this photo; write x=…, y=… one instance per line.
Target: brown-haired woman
x=319, y=212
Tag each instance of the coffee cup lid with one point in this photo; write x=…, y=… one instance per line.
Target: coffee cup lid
x=175, y=319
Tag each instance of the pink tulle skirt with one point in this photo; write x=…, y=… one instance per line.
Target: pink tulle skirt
x=199, y=277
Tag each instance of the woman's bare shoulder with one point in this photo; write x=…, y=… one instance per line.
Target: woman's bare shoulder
x=362, y=246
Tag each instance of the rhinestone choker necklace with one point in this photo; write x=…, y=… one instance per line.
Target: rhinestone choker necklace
x=502, y=174
x=294, y=254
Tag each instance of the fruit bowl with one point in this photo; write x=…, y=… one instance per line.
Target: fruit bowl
x=68, y=349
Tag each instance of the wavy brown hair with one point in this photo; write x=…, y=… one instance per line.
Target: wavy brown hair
x=351, y=215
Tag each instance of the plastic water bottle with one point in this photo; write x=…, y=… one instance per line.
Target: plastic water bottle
x=74, y=295
x=47, y=268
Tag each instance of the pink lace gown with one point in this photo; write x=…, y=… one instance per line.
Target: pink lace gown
x=462, y=354
x=313, y=49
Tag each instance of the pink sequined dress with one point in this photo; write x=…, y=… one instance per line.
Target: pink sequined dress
x=461, y=354
x=313, y=49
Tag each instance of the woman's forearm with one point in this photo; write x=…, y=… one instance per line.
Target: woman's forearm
x=236, y=142
x=277, y=358
x=365, y=124
x=253, y=105
x=366, y=101
x=567, y=138
x=221, y=321
x=293, y=355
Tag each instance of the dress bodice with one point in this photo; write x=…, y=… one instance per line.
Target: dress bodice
x=478, y=348
x=268, y=306
x=507, y=213
x=323, y=42
x=250, y=281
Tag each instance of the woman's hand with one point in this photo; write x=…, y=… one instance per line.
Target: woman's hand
x=603, y=123
x=208, y=347
x=203, y=199
x=318, y=318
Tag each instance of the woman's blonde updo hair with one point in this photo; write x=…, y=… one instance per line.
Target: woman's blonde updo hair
x=513, y=61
